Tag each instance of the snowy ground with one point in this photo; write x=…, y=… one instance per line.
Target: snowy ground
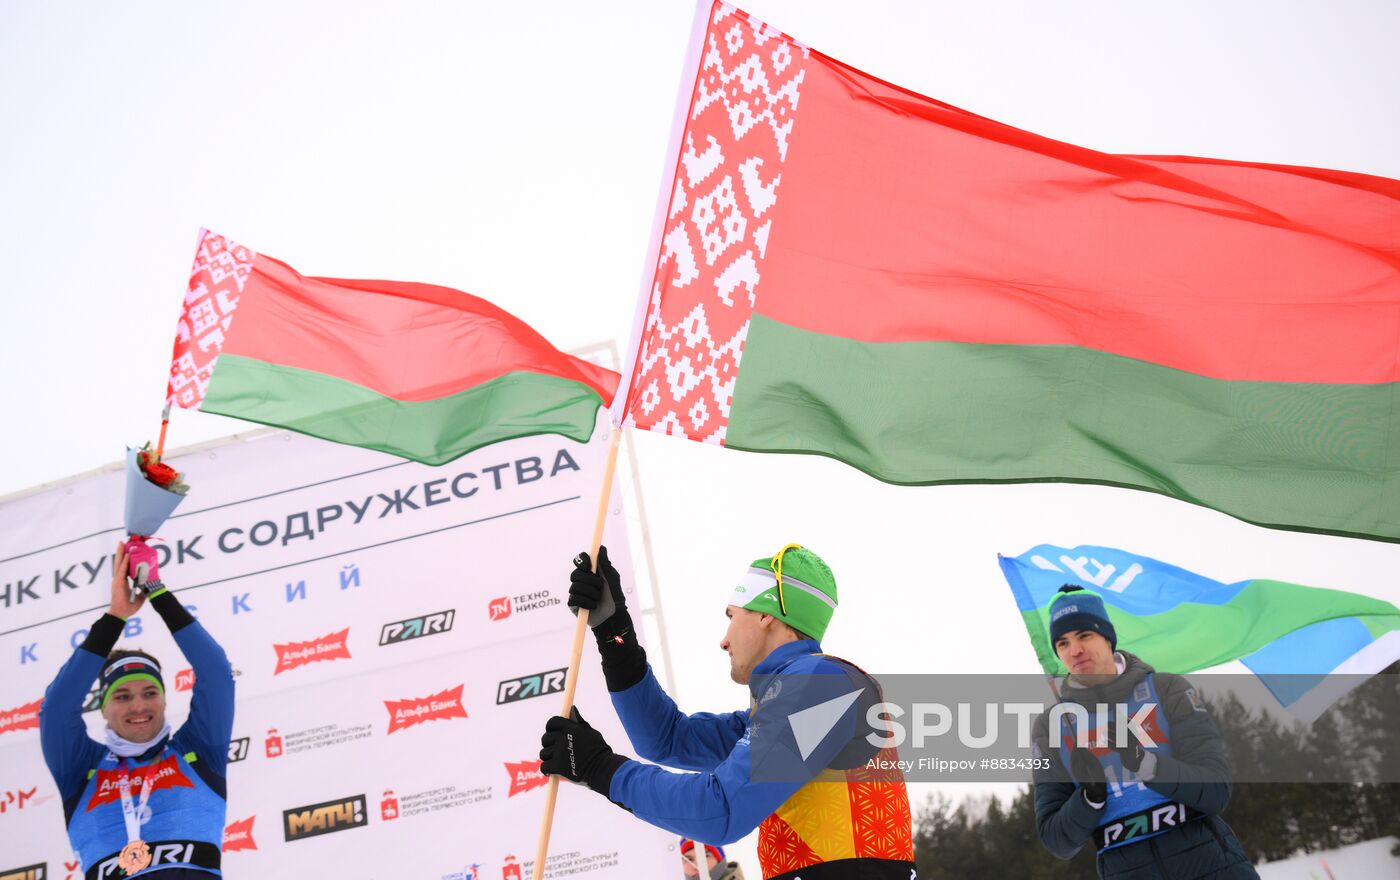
x=1370, y=860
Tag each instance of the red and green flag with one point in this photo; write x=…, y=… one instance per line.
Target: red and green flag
x=416, y=370
x=846, y=268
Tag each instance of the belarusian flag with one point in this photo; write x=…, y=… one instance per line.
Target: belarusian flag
x=1308, y=645
x=931, y=296
x=415, y=370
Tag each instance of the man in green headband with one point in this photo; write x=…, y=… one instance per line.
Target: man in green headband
x=805, y=750
x=146, y=798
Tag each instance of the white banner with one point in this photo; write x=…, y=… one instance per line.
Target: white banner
x=398, y=635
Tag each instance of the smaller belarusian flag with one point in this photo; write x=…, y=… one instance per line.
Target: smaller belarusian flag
x=424, y=372
x=1309, y=646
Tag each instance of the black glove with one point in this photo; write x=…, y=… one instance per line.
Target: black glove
x=599, y=591
x=624, y=660
x=1088, y=772
x=572, y=749
x=1130, y=754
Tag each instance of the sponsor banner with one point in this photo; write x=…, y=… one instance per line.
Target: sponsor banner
x=15, y=799
x=524, y=775
x=24, y=717
x=438, y=707
x=537, y=684
x=238, y=749
x=313, y=820
x=417, y=627
x=328, y=647
x=239, y=835
x=167, y=774
x=392, y=625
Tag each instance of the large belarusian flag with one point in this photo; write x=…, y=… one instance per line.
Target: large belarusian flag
x=1308, y=645
x=419, y=371
x=931, y=296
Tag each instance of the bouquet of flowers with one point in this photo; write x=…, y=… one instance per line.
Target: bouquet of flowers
x=160, y=473
x=153, y=490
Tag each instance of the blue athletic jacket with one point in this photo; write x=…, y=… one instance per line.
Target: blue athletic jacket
x=722, y=801
x=188, y=801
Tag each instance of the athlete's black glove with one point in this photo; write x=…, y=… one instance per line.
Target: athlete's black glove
x=1088, y=772
x=624, y=661
x=572, y=749
x=1130, y=754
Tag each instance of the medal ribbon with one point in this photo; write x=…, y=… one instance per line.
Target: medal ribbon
x=131, y=812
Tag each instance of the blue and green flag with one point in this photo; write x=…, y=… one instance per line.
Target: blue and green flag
x=1308, y=645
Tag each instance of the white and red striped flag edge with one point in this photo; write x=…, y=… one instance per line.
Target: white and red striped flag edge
x=735, y=111
x=221, y=268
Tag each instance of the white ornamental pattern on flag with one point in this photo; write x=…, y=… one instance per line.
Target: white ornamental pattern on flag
x=221, y=268
x=718, y=224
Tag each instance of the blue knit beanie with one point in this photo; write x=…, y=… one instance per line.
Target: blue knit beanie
x=1075, y=608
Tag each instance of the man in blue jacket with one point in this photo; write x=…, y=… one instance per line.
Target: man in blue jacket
x=810, y=781
x=1151, y=812
x=143, y=800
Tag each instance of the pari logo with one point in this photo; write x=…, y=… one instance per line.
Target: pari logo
x=505, y=606
x=239, y=835
x=167, y=774
x=162, y=854
x=237, y=749
x=28, y=872
x=513, y=690
x=328, y=647
x=24, y=717
x=524, y=775
x=341, y=814
x=416, y=627
x=439, y=706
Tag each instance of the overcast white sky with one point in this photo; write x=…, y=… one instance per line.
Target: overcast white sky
x=514, y=151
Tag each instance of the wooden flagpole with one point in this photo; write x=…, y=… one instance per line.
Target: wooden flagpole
x=576, y=656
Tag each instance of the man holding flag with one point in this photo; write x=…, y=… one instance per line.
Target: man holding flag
x=1152, y=809
x=145, y=799
x=797, y=765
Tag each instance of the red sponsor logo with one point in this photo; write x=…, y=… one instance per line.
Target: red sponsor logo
x=72, y=869
x=184, y=680
x=406, y=713
x=389, y=806
x=239, y=835
x=510, y=871
x=17, y=799
x=328, y=647
x=273, y=744
x=166, y=774
x=24, y=717
x=524, y=776
x=499, y=609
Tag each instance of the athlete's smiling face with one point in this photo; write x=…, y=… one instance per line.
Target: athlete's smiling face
x=136, y=710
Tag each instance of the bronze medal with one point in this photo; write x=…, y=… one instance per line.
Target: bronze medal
x=135, y=856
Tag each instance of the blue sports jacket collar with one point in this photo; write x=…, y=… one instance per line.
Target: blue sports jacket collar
x=781, y=656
